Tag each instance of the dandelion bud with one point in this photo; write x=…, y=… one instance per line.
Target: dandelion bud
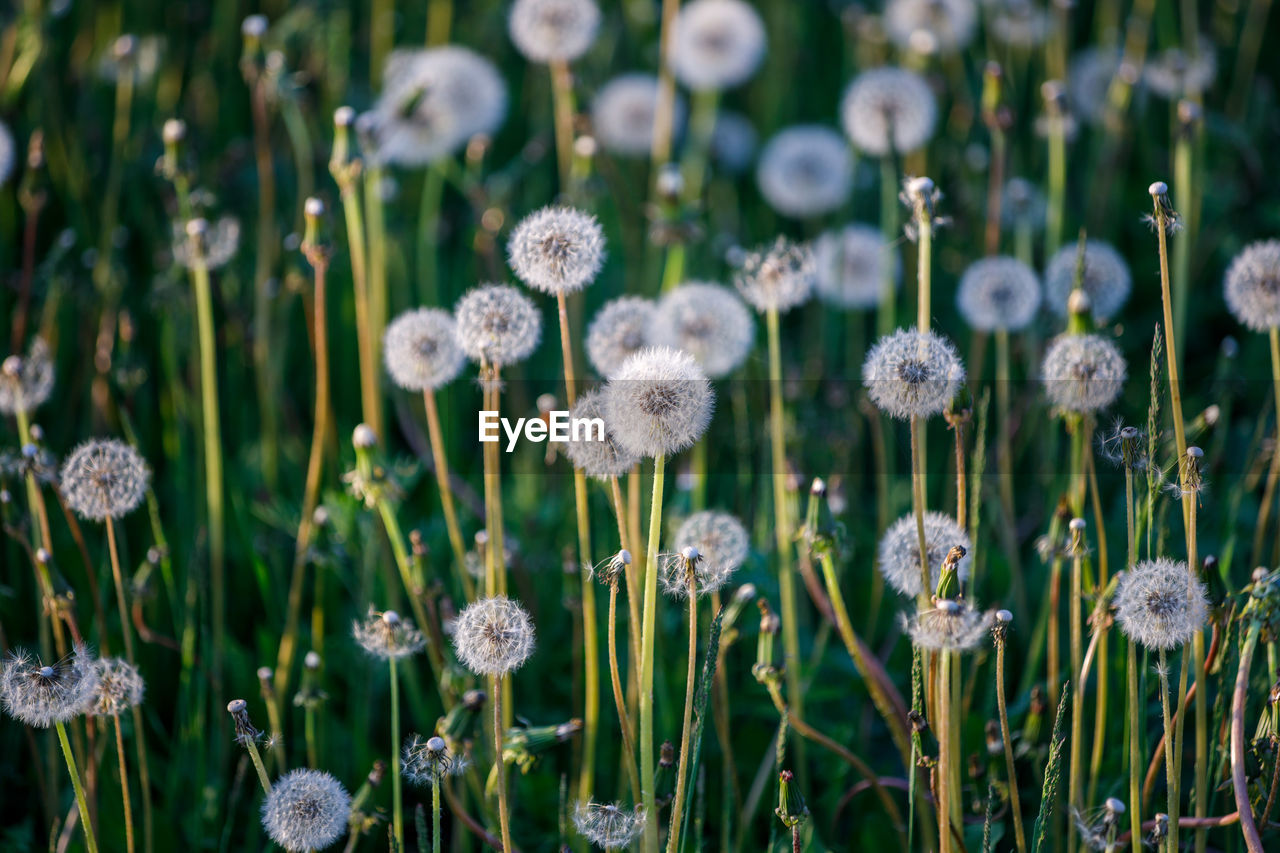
x=1004, y=617
x=818, y=488
x=43, y=557
x=664, y=776
x=306, y=810
x=363, y=437
x=174, y=131
x=670, y=183
x=265, y=674
x=791, y=809
x=1158, y=189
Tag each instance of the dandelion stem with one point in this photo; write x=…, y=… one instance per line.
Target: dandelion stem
x=1171, y=770
x=562, y=106
x=1264, y=506
x=682, y=768
x=397, y=807
x=918, y=507
x=889, y=228
x=124, y=786
x=1004, y=456
x=1015, y=805
x=504, y=816
x=256, y=758
x=646, y=660
x=619, y=700
x=945, y=756
x=1135, y=747
x=86, y=820
x=345, y=175
x=441, y=462
x=1239, y=771
x=435, y=816
x=1075, y=783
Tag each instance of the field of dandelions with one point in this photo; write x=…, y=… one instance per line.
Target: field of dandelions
x=936, y=346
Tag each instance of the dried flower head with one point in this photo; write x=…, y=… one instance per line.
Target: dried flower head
x=40, y=694
x=619, y=330
x=1160, y=604
x=104, y=478
x=912, y=374
x=888, y=110
x=557, y=250
x=386, y=635
x=608, y=825
x=8, y=153
x=1106, y=279
x=599, y=458
x=854, y=264
x=426, y=761
x=553, y=30
x=898, y=554
x=721, y=542
x=659, y=402
x=709, y=322
x=119, y=688
x=733, y=141
x=216, y=244
x=998, y=293
x=1089, y=81
x=306, y=810
x=805, y=170
x=623, y=111
x=26, y=382
x=716, y=44
x=931, y=27
x=420, y=349
x=952, y=626
x=1083, y=373
x=1125, y=446
x=1252, y=285
x=497, y=325
x=493, y=636
x=777, y=277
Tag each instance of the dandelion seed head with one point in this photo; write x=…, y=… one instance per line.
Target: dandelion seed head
x=898, y=554
x=40, y=694
x=1083, y=373
x=1252, y=285
x=716, y=44
x=1174, y=74
x=805, y=171
x=26, y=381
x=557, y=250
x=119, y=688
x=553, y=30
x=218, y=243
x=104, y=478
x=1089, y=80
x=998, y=293
x=1022, y=205
x=854, y=264
x=659, y=402
x=8, y=153
x=1020, y=24
x=1106, y=279
x=386, y=635
x=420, y=349
x=600, y=460
x=1160, y=604
x=428, y=761
x=950, y=626
x=709, y=322
x=931, y=26
x=619, y=330
x=608, y=825
x=888, y=110
x=912, y=374
x=497, y=324
x=623, y=111
x=493, y=636
x=306, y=810
x=778, y=276
x=720, y=545
x=733, y=141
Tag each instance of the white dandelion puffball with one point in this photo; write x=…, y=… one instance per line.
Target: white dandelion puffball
x=219, y=243
x=931, y=26
x=806, y=170
x=1089, y=80
x=1083, y=373
x=598, y=456
x=493, y=636
x=608, y=825
x=26, y=381
x=998, y=293
x=854, y=265
x=888, y=110
x=778, y=276
x=104, y=478
x=733, y=141
x=387, y=636
x=40, y=694
x=421, y=351
x=1175, y=74
x=1252, y=285
x=659, y=402
x=8, y=153
x=709, y=322
x=622, y=114
x=716, y=44
x=898, y=554
x=912, y=374
x=306, y=810
x=557, y=250
x=951, y=626
x=497, y=325
x=1160, y=604
x=619, y=330
x=553, y=30
x=722, y=545
x=1106, y=279
x=119, y=688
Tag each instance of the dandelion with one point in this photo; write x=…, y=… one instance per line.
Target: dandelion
x=26, y=382
x=952, y=626
x=888, y=110
x=898, y=554
x=805, y=170
x=912, y=374
x=1173, y=74
x=1160, y=604
x=427, y=761
x=104, y=479
x=1089, y=80
x=421, y=350
x=709, y=322
x=777, y=277
x=852, y=265
x=8, y=153
x=1097, y=829
x=619, y=330
x=733, y=141
x=216, y=247
x=716, y=44
x=132, y=57
x=998, y=293
x=119, y=687
x=493, y=636
x=721, y=542
x=608, y=825
x=1022, y=205
x=498, y=325
x=622, y=113
x=557, y=250
x=1106, y=279
x=602, y=458
x=659, y=402
x=553, y=30
x=385, y=635
x=41, y=695
x=306, y=810
x=931, y=26
x=1083, y=373
x=1252, y=285
x=1020, y=24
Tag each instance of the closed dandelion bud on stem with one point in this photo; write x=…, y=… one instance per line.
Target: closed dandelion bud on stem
x=246, y=733
x=460, y=722
x=791, y=809
x=306, y=810
x=899, y=551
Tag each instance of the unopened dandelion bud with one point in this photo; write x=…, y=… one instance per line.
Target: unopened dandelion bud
x=791, y=809
x=459, y=725
x=363, y=437
x=664, y=782
x=949, y=576
x=312, y=661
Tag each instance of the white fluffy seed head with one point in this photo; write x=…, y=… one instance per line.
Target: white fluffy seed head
x=1083, y=373
x=898, y=554
x=104, y=478
x=912, y=374
x=619, y=330
x=1022, y=205
x=1106, y=279
x=218, y=242
x=26, y=381
x=721, y=544
x=8, y=153
x=854, y=264
x=951, y=626
x=1089, y=80
x=420, y=349
x=608, y=825
x=120, y=687
x=385, y=635
x=709, y=322
x=998, y=293
x=306, y=810
x=622, y=114
x=1160, y=604
x=778, y=276
x=427, y=761
x=931, y=26
x=497, y=324
x=1174, y=74
x=733, y=141
x=1020, y=24
x=553, y=30
x=888, y=109
x=598, y=459
x=40, y=694
x=659, y=402
x=805, y=170
x=557, y=250
x=493, y=636
x=716, y=44
x=1252, y=285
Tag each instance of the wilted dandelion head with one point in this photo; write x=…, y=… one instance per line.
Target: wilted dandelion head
x=622, y=113
x=888, y=110
x=1160, y=604
x=1020, y=24
x=426, y=761
x=120, y=687
x=733, y=141
x=386, y=635
x=1176, y=74
x=951, y=626
x=40, y=694
x=709, y=322
x=104, y=478
x=716, y=44
x=998, y=293
x=608, y=825
x=854, y=264
x=26, y=381
x=805, y=170
x=912, y=374
x=721, y=542
x=1106, y=279
x=600, y=459
x=1098, y=827
x=498, y=325
x=1089, y=79
x=306, y=810
x=1083, y=373
x=1252, y=285
x=218, y=243
x=557, y=250
x=420, y=349
x=553, y=30
x=619, y=330
x=931, y=26
x=898, y=554
x=778, y=276
x=493, y=636
x=659, y=402
x=8, y=153
x=1022, y=205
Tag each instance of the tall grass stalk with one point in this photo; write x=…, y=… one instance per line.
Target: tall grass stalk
x=683, y=768
x=126, y=801
x=1273, y=474
x=1015, y=804
x=397, y=804
x=1170, y=764
x=441, y=464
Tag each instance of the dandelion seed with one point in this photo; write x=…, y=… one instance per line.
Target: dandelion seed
x=608, y=825
x=1106, y=279
x=427, y=761
x=557, y=250
x=853, y=265
x=659, y=402
x=8, y=153
x=1083, y=373
x=40, y=694
x=622, y=114
x=26, y=382
x=385, y=635
x=493, y=636
x=498, y=325
x=306, y=810
x=722, y=545
x=599, y=459
x=1160, y=604
x=716, y=44
x=104, y=478
x=1252, y=285
x=709, y=322
x=777, y=277
x=733, y=141
x=998, y=293
x=805, y=171
x=553, y=30
x=119, y=688
x=420, y=349
x=1089, y=81
x=217, y=246
x=619, y=330
x=951, y=626
x=888, y=110
x=931, y=26
x=898, y=554
x=912, y=374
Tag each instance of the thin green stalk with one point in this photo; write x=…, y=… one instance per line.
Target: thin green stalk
x=1075, y=784
x=356, y=246
x=504, y=815
x=90, y=840
x=562, y=107
x=1015, y=805
x=1004, y=455
x=889, y=229
x=924, y=268
x=124, y=786
x=1135, y=749
x=682, y=768
x=1264, y=506
x=1057, y=182
x=441, y=460
x=944, y=792
x=705, y=105
x=375, y=216
x=261, y=768
x=646, y=660
x=429, y=236
x=1182, y=169
x=918, y=507
x=397, y=807
x=264, y=255
x=619, y=699
x=1171, y=770
x=435, y=816
x=1239, y=771
x=1202, y=754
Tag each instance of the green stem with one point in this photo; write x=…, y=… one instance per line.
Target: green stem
x=945, y=757
x=124, y=786
x=435, y=816
x=918, y=507
x=889, y=228
x=1135, y=750
x=256, y=757
x=619, y=700
x=504, y=815
x=81, y=801
x=441, y=460
x=1075, y=782
x=1057, y=185
x=646, y=660
x=212, y=454
x=1171, y=769
x=1015, y=805
x=397, y=808
x=682, y=768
